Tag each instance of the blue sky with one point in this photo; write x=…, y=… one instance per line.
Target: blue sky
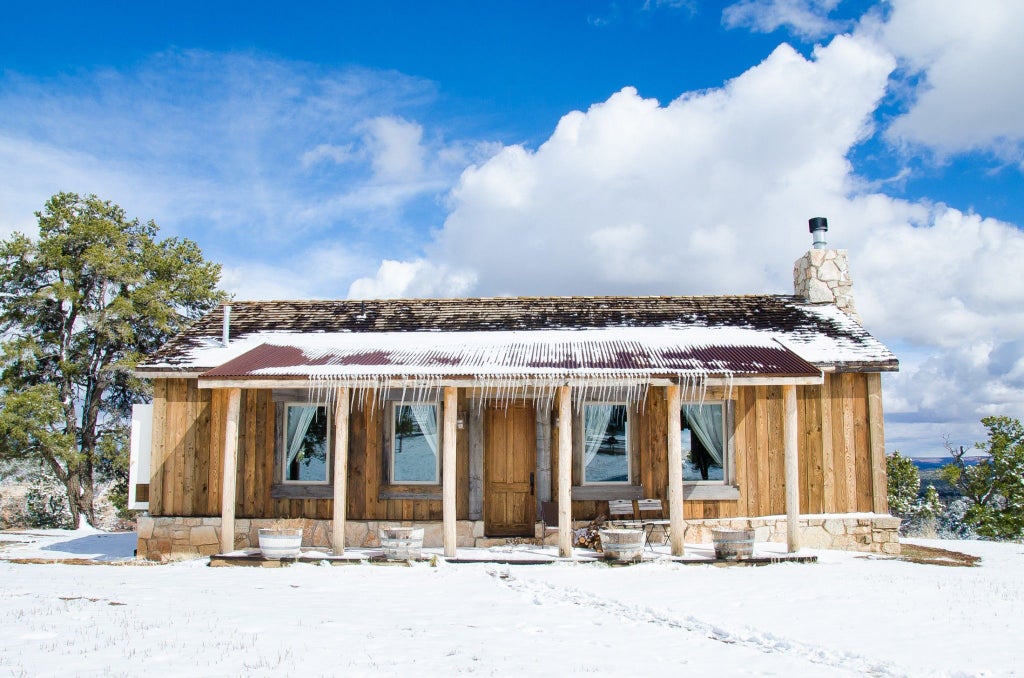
x=647, y=147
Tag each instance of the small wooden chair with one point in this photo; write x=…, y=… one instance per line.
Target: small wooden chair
x=652, y=517
x=622, y=513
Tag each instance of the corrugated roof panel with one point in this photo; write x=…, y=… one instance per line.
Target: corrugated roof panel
x=523, y=359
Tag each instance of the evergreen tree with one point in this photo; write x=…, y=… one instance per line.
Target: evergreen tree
x=904, y=482
x=994, y=488
x=79, y=306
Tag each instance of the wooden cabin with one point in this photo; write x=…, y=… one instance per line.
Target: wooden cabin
x=465, y=415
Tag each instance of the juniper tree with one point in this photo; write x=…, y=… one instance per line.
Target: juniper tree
x=79, y=306
x=993, y=488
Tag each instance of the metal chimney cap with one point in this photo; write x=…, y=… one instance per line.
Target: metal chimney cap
x=817, y=224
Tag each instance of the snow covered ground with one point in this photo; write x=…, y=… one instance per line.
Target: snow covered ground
x=846, y=615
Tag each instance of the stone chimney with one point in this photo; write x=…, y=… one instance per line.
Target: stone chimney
x=822, y=276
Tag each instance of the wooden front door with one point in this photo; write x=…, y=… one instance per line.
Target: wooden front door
x=510, y=460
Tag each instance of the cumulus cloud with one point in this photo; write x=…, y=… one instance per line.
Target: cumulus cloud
x=806, y=18
x=419, y=278
x=965, y=65
x=710, y=194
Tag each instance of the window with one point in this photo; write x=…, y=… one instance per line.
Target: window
x=703, y=441
x=414, y=444
x=306, y=453
x=605, y=443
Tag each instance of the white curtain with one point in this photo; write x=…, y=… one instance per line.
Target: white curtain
x=595, y=425
x=426, y=419
x=299, y=419
x=706, y=422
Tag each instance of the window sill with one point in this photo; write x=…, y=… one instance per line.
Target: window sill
x=423, y=492
x=301, y=491
x=698, y=492
x=605, y=492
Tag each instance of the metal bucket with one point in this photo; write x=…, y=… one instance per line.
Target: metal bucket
x=732, y=544
x=623, y=545
x=276, y=544
x=401, y=543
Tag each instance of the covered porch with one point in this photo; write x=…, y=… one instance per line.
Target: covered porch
x=508, y=422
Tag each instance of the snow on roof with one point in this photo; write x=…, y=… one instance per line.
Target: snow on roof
x=549, y=353
x=705, y=334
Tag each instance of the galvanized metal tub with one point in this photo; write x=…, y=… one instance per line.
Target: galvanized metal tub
x=401, y=543
x=276, y=544
x=623, y=545
x=732, y=544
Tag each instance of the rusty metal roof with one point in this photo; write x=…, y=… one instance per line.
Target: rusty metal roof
x=820, y=334
x=510, y=358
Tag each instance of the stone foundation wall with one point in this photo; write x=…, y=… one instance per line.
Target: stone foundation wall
x=168, y=538
x=869, y=532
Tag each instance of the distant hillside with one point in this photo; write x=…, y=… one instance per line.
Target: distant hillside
x=929, y=468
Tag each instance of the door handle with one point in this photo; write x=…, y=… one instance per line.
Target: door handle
x=531, y=484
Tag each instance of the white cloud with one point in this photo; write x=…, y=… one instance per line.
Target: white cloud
x=396, y=148
x=970, y=61
x=711, y=193
x=419, y=278
x=806, y=18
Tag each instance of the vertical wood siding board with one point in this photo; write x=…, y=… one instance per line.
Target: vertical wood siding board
x=218, y=412
x=250, y=454
x=378, y=423
x=170, y=435
x=739, y=434
x=462, y=460
x=763, y=479
x=179, y=410
x=261, y=488
x=356, y=462
x=645, y=454
x=476, y=459
x=203, y=450
x=815, y=467
x=659, y=445
x=748, y=457
x=158, y=452
x=850, y=440
x=876, y=436
x=802, y=451
x=828, y=466
x=863, y=444
x=169, y=438
x=188, y=473
x=542, y=427
x=777, y=444
x=839, y=445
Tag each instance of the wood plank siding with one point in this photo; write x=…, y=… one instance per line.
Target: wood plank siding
x=839, y=444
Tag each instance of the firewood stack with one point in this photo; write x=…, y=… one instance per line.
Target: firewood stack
x=589, y=537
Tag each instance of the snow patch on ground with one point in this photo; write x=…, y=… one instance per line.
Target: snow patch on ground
x=847, y=615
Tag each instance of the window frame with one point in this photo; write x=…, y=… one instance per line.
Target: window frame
x=627, y=406
x=728, y=451
x=391, y=439
x=328, y=442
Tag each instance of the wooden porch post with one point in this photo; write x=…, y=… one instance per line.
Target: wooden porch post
x=341, y=410
x=792, y=470
x=227, y=494
x=564, y=472
x=677, y=524
x=448, y=471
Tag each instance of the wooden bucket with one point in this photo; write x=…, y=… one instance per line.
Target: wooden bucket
x=402, y=543
x=277, y=544
x=732, y=544
x=623, y=545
